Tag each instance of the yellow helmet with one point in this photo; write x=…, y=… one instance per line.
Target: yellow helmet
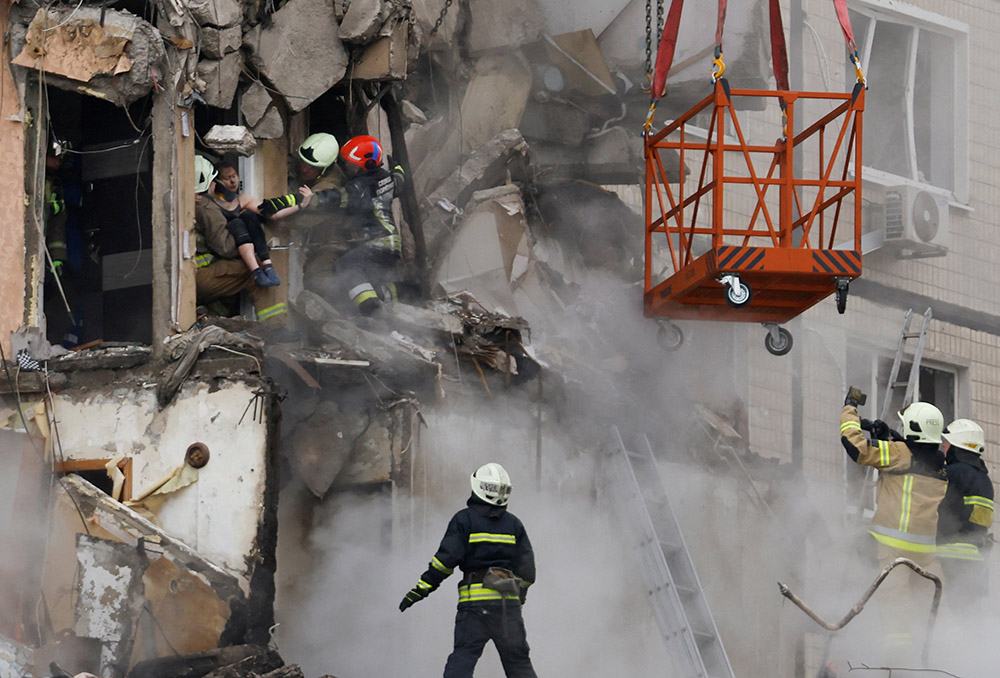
x=319, y=150
x=204, y=173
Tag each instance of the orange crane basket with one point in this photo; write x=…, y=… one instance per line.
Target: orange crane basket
x=779, y=257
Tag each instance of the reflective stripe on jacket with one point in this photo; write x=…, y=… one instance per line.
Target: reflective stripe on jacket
x=966, y=514
x=909, y=491
x=479, y=537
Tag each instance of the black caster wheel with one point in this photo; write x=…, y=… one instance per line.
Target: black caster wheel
x=779, y=346
x=669, y=336
x=738, y=293
x=841, y=295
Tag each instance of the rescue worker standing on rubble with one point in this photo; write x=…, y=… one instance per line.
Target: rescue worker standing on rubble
x=221, y=272
x=965, y=517
x=490, y=546
x=911, y=485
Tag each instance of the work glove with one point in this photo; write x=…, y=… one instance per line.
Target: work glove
x=412, y=596
x=867, y=425
x=272, y=206
x=855, y=398
x=57, y=268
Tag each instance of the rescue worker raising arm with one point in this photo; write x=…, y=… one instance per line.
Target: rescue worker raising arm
x=911, y=485
x=965, y=516
x=490, y=546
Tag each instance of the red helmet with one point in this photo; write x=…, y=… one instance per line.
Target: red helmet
x=364, y=151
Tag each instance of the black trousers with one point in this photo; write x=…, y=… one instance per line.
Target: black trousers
x=245, y=229
x=474, y=626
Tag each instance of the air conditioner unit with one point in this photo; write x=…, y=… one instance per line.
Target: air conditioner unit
x=916, y=221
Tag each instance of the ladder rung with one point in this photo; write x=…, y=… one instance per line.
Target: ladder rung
x=703, y=637
x=667, y=546
x=912, y=335
x=686, y=590
x=899, y=384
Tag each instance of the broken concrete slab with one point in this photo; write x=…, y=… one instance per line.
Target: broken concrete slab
x=321, y=445
x=109, y=54
x=215, y=12
x=317, y=51
x=412, y=114
x=494, y=99
x=254, y=103
x=109, y=598
x=487, y=167
x=425, y=319
x=387, y=57
x=231, y=139
x=271, y=126
x=581, y=62
x=362, y=21
x=221, y=77
x=426, y=14
x=289, y=671
x=218, y=42
x=129, y=527
x=480, y=259
x=190, y=615
x=555, y=121
x=504, y=24
x=377, y=452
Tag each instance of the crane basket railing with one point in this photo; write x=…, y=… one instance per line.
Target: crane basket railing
x=808, y=209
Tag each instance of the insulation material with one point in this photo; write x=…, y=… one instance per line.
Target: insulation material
x=79, y=49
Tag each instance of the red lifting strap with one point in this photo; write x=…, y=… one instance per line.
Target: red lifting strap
x=779, y=53
x=719, y=25
x=845, y=24
x=665, y=52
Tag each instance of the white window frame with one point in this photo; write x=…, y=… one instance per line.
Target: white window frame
x=917, y=18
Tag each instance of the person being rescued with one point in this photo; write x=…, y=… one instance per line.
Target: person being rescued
x=243, y=221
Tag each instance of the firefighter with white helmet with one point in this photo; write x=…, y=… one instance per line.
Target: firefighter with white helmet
x=491, y=548
x=965, y=515
x=911, y=485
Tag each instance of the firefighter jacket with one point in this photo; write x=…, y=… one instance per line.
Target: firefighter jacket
x=479, y=537
x=213, y=238
x=966, y=513
x=911, y=485
x=366, y=201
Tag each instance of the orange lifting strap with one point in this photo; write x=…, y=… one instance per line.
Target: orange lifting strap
x=747, y=235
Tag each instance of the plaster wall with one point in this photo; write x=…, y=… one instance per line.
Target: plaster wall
x=219, y=514
x=12, y=207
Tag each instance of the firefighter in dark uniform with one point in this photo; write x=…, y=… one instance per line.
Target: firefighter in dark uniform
x=911, y=485
x=965, y=516
x=491, y=548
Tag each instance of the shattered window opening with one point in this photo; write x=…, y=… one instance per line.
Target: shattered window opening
x=95, y=472
x=915, y=121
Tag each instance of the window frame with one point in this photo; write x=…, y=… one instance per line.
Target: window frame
x=920, y=19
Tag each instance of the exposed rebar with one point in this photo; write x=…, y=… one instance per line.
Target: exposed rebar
x=858, y=606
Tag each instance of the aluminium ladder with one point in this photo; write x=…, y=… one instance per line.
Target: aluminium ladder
x=679, y=605
x=911, y=393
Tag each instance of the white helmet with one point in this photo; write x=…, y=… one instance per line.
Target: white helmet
x=922, y=423
x=966, y=434
x=204, y=173
x=319, y=150
x=491, y=483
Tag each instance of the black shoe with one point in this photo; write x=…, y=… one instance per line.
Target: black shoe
x=271, y=274
x=262, y=279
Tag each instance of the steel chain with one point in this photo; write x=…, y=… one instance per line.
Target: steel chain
x=659, y=20
x=444, y=11
x=649, y=36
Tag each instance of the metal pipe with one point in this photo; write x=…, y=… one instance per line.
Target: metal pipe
x=868, y=594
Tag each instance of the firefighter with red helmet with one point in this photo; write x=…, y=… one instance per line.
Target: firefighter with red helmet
x=367, y=272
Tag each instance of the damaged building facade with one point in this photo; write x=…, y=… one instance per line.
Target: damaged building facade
x=145, y=465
